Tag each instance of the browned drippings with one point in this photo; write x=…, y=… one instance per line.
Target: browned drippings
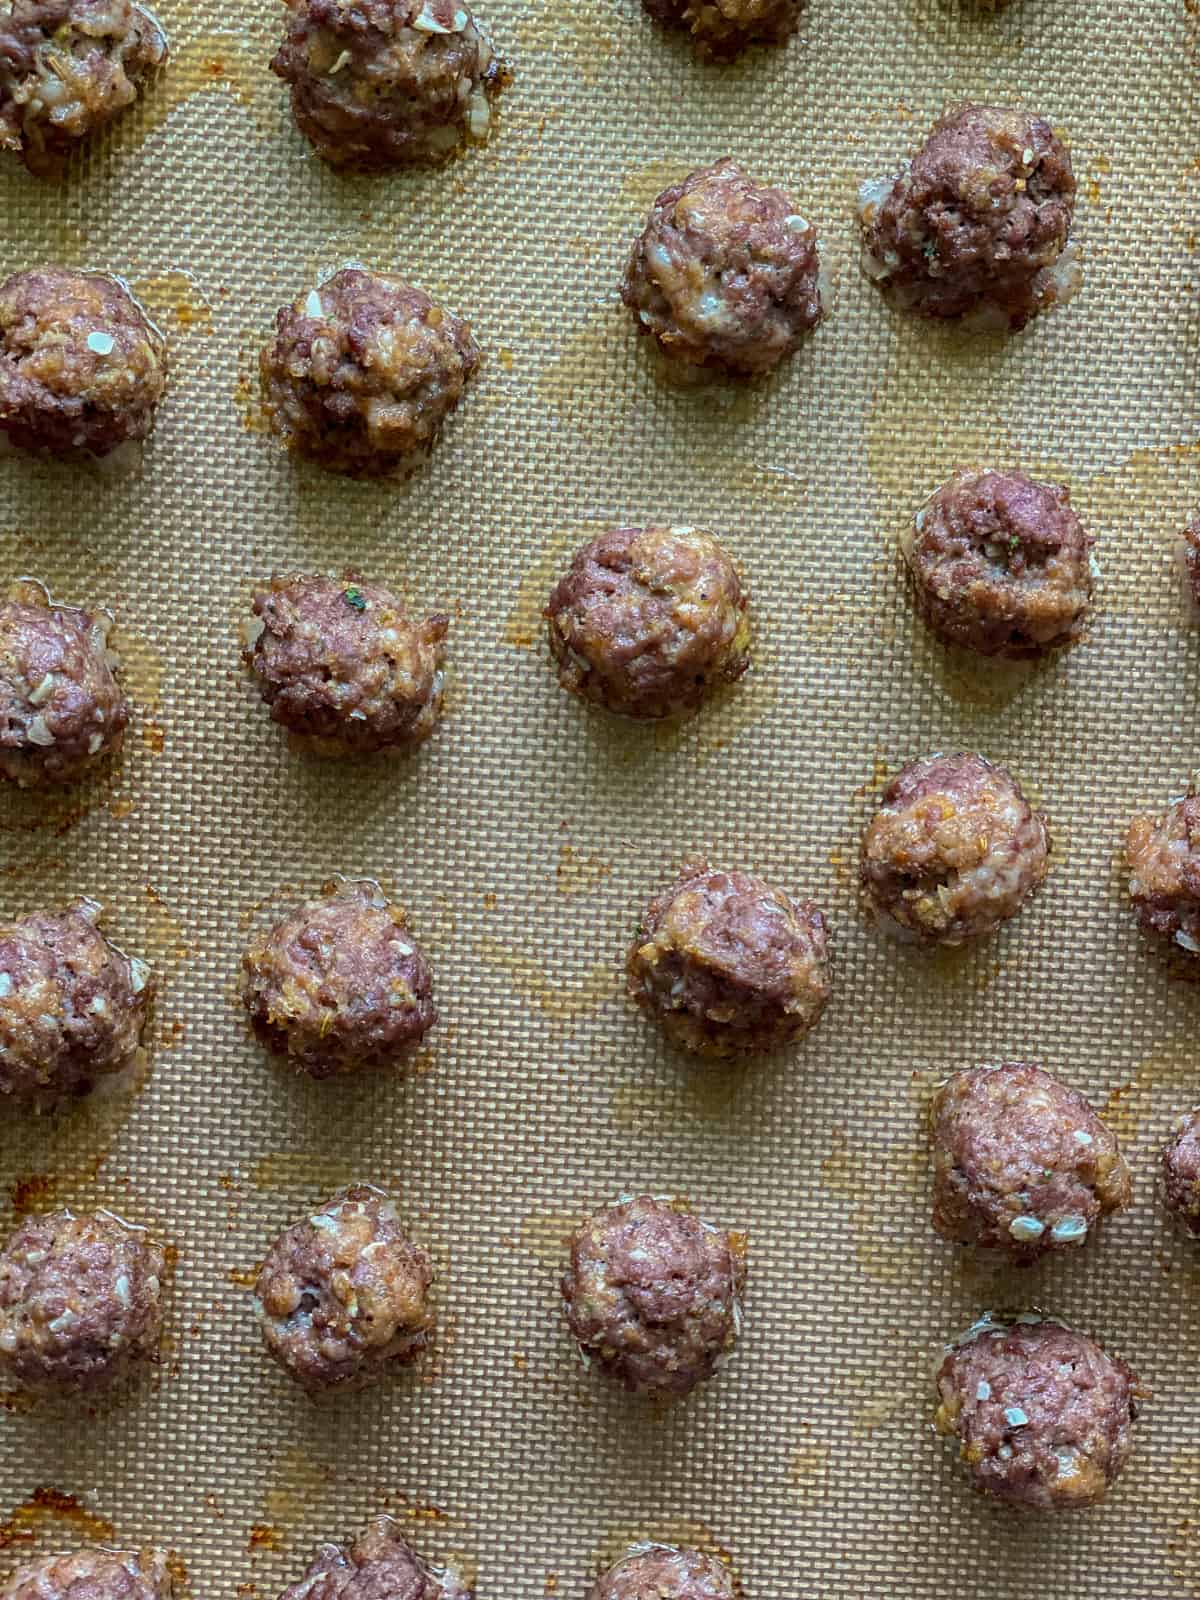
x=564, y=1002
x=576, y=872
x=47, y=1507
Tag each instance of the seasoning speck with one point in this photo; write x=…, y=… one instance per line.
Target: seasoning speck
x=355, y=598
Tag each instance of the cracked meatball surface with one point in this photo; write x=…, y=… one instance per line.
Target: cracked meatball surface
x=666, y=1572
x=363, y=372
x=653, y=1294
x=977, y=222
x=722, y=29
x=1179, y=1165
x=648, y=622
x=1000, y=564
x=1162, y=855
x=93, y=1574
x=379, y=1565
x=954, y=850
x=726, y=273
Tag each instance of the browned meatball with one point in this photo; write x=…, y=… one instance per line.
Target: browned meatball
x=385, y=83
x=93, y=1574
x=1189, y=555
x=79, y=1303
x=1000, y=564
x=67, y=68
x=722, y=29
x=363, y=373
x=977, y=221
x=1043, y=1416
x=379, y=1565
x=653, y=1294
x=73, y=1007
x=663, y=1572
x=1180, y=1164
x=726, y=273
x=82, y=369
x=954, y=850
x=1163, y=858
x=647, y=622
x=341, y=666
x=1021, y=1163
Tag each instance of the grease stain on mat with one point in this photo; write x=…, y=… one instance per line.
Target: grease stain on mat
x=49, y=1508
x=563, y=1002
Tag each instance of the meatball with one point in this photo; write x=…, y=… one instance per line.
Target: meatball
x=1043, y=1416
x=1163, y=858
x=339, y=984
x=82, y=368
x=67, y=68
x=977, y=222
x=1000, y=564
x=342, y=668
x=73, y=1007
x=726, y=273
x=954, y=850
x=1189, y=555
x=1021, y=1163
x=1181, y=1172
x=649, y=621
x=363, y=373
x=662, y=1572
x=379, y=1565
x=93, y=1574
x=729, y=965
x=79, y=1303
x=388, y=83
x=653, y=1294
x=722, y=29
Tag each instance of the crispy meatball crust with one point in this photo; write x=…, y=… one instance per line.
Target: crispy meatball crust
x=721, y=29
x=340, y=666
x=79, y=1303
x=653, y=1295
x=1000, y=564
x=82, y=369
x=379, y=1565
x=726, y=273
x=976, y=221
x=664, y=1572
x=954, y=850
x=93, y=1574
x=1043, y=1416
x=1021, y=1163
x=1180, y=1169
x=363, y=373
x=1162, y=855
x=647, y=622
x=728, y=965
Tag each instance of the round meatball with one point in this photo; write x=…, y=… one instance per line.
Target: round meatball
x=726, y=273
x=653, y=1294
x=1001, y=565
x=1181, y=1172
x=379, y=1565
x=729, y=965
x=82, y=368
x=1021, y=1163
x=663, y=1572
x=977, y=222
x=1163, y=858
x=649, y=621
x=341, y=666
x=79, y=1303
x=954, y=850
x=1043, y=1416
x=1189, y=556
x=73, y=1008
x=93, y=1574
x=363, y=373
x=339, y=984
x=67, y=68
x=722, y=29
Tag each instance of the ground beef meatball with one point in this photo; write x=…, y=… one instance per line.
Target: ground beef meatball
x=722, y=29
x=1000, y=564
x=653, y=1294
x=726, y=273
x=977, y=222
x=663, y=1572
x=363, y=373
x=1181, y=1172
x=1189, y=558
x=647, y=622
x=1043, y=1416
x=1021, y=1163
x=93, y=1574
x=954, y=850
x=341, y=666
x=79, y=1303
x=379, y=1565
x=67, y=68
x=73, y=1007
x=1163, y=858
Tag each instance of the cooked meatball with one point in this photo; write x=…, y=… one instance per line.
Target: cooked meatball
x=386, y=83
x=73, y=1007
x=954, y=850
x=93, y=1574
x=647, y=622
x=339, y=984
x=1180, y=1160
x=67, y=68
x=653, y=1294
x=662, y=1572
x=722, y=29
x=1189, y=554
x=379, y=1565
x=1000, y=564
x=363, y=373
x=79, y=1303
x=1163, y=858
x=343, y=1295
x=341, y=666
x=977, y=221
x=1021, y=1163
x=82, y=369
x=728, y=965
x=726, y=273
x=1043, y=1416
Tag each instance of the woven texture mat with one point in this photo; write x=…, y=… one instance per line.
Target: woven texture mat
x=527, y=835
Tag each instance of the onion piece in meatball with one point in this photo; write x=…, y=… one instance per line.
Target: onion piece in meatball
x=666, y=1572
x=379, y=1565
x=93, y=1573
x=721, y=29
